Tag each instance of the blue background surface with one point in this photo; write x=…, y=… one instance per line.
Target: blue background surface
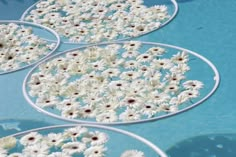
x=207, y=27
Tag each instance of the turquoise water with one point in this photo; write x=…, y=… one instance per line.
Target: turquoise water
x=206, y=27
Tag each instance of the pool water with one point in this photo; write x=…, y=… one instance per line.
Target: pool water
x=206, y=27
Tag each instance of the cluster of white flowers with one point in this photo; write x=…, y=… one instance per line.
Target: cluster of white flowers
x=96, y=21
x=20, y=47
x=116, y=82
x=69, y=143
x=73, y=141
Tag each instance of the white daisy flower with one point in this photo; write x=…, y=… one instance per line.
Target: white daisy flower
x=180, y=68
x=31, y=138
x=156, y=51
x=132, y=153
x=158, y=98
x=113, y=94
x=111, y=72
x=95, y=151
x=132, y=45
x=130, y=75
x=193, y=84
x=68, y=103
x=87, y=112
x=144, y=58
x=191, y=93
x=119, y=84
x=162, y=64
x=107, y=105
x=107, y=117
x=131, y=64
x=132, y=102
x=171, y=88
x=149, y=110
x=47, y=101
x=130, y=115
x=75, y=132
x=130, y=54
x=37, y=150
x=180, y=58
x=174, y=78
x=114, y=63
x=71, y=112
x=54, y=139
x=73, y=147
x=95, y=138
x=165, y=107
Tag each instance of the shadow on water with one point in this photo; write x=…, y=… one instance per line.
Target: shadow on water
x=12, y=126
x=213, y=145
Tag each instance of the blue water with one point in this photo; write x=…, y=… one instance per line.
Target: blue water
x=207, y=27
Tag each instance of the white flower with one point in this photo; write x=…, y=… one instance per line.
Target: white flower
x=157, y=97
x=180, y=58
x=180, y=68
x=156, y=51
x=149, y=110
x=129, y=115
x=174, y=78
x=132, y=153
x=193, y=84
x=144, y=57
x=37, y=150
x=132, y=45
x=167, y=108
x=46, y=101
x=98, y=65
x=31, y=138
x=119, y=84
x=111, y=72
x=191, y=93
x=87, y=112
x=67, y=104
x=75, y=132
x=171, y=88
x=131, y=64
x=95, y=151
x=73, y=147
x=130, y=75
x=95, y=138
x=107, y=117
x=162, y=64
x=130, y=54
x=132, y=102
x=53, y=139
x=71, y=112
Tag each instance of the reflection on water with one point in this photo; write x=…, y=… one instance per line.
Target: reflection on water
x=213, y=145
x=12, y=126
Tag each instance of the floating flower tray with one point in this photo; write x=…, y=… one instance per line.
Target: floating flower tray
x=22, y=44
x=89, y=21
x=73, y=140
x=125, y=82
